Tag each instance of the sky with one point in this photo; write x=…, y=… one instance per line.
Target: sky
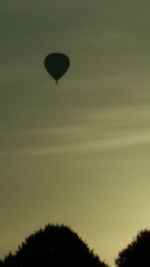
x=76, y=153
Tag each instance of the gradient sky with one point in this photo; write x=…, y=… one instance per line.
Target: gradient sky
x=77, y=153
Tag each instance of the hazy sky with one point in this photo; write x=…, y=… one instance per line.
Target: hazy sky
x=77, y=153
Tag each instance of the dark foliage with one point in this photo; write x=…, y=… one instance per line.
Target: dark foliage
x=137, y=253
x=9, y=261
x=53, y=246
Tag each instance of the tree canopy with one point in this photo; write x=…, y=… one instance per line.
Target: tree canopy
x=137, y=252
x=53, y=246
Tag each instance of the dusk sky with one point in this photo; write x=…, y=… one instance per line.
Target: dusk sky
x=77, y=153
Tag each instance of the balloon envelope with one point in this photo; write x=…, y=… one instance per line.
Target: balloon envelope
x=56, y=64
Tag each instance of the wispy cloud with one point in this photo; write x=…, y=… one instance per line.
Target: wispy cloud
x=112, y=128
x=87, y=146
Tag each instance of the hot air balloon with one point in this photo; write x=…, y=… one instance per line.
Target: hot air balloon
x=56, y=65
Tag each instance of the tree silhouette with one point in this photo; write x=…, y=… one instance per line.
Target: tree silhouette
x=9, y=260
x=53, y=246
x=137, y=253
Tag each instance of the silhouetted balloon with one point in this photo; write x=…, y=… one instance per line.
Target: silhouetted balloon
x=56, y=64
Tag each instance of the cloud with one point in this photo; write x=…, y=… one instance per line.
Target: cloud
x=88, y=146
x=91, y=132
